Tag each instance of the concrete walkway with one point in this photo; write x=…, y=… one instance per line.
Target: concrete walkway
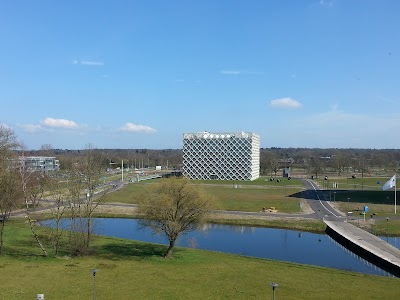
x=367, y=241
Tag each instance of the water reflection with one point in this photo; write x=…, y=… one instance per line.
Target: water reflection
x=270, y=243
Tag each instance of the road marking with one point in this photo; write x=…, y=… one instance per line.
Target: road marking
x=312, y=184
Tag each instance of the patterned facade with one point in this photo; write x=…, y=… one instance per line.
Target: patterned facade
x=221, y=156
x=40, y=163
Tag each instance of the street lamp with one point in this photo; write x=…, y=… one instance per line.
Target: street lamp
x=334, y=199
x=94, y=283
x=348, y=203
x=274, y=285
x=387, y=229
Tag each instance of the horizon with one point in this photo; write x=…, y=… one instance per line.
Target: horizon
x=173, y=149
x=317, y=74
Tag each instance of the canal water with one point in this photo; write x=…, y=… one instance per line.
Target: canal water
x=277, y=244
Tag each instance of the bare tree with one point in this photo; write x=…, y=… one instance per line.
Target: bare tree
x=315, y=166
x=86, y=193
x=46, y=149
x=58, y=206
x=269, y=163
x=32, y=190
x=9, y=198
x=75, y=190
x=173, y=207
x=9, y=186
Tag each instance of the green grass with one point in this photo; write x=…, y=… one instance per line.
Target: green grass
x=310, y=225
x=127, y=194
x=262, y=181
x=381, y=210
x=253, y=200
x=384, y=227
x=247, y=197
x=348, y=183
x=135, y=270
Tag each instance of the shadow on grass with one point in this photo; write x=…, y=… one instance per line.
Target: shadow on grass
x=138, y=250
x=376, y=197
x=23, y=250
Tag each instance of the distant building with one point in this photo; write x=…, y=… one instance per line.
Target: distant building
x=221, y=156
x=286, y=172
x=39, y=163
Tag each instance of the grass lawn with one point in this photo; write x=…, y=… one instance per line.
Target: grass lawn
x=348, y=183
x=250, y=196
x=135, y=270
x=254, y=199
x=262, y=181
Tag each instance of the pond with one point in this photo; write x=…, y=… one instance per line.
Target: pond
x=277, y=244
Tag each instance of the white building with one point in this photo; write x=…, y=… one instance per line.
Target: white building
x=40, y=163
x=222, y=156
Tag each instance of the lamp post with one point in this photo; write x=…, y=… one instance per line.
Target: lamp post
x=94, y=283
x=334, y=199
x=348, y=203
x=387, y=229
x=274, y=285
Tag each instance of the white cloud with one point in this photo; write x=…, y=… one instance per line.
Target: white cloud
x=92, y=63
x=230, y=72
x=32, y=128
x=326, y=2
x=285, y=103
x=130, y=127
x=59, y=123
x=88, y=62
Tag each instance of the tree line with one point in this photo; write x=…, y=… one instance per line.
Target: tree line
x=172, y=207
x=76, y=196
x=312, y=161
x=362, y=162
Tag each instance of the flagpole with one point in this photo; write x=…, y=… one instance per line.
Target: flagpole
x=395, y=204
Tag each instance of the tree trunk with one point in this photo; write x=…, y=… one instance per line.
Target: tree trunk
x=169, y=250
x=89, y=229
x=1, y=234
x=32, y=226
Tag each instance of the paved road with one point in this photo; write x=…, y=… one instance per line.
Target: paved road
x=318, y=204
x=363, y=239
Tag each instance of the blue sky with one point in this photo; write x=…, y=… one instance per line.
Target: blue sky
x=138, y=74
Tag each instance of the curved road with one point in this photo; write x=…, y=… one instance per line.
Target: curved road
x=318, y=204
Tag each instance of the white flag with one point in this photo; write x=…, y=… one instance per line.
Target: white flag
x=390, y=183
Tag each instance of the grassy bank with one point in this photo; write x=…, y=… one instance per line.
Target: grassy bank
x=310, y=225
x=135, y=270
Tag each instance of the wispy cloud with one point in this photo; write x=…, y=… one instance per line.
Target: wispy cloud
x=285, y=103
x=88, y=62
x=130, y=127
x=328, y=3
x=59, y=123
x=240, y=72
x=386, y=100
x=230, y=72
x=49, y=124
x=32, y=128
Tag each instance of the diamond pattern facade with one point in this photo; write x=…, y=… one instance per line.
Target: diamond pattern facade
x=222, y=156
